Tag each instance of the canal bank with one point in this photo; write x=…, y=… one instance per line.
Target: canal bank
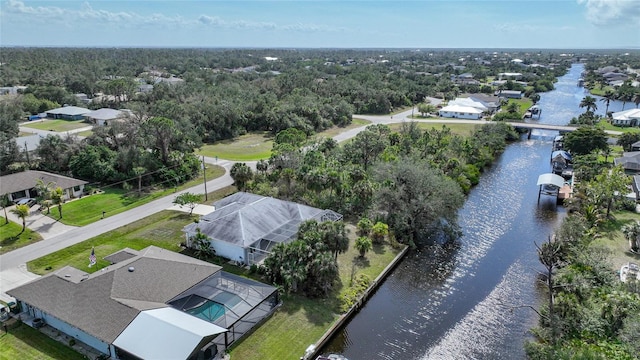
x=314, y=350
x=456, y=301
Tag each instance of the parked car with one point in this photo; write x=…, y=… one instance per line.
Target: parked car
x=27, y=201
x=38, y=323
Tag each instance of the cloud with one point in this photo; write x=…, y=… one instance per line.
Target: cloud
x=87, y=12
x=612, y=12
x=529, y=28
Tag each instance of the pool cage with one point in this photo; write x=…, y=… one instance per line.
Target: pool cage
x=229, y=301
x=260, y=249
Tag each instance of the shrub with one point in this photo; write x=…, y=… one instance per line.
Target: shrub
x=349, y=298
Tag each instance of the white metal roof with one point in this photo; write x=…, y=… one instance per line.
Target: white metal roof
x=468, y=102
x=551, y=179
x=461, y=109
x=104, y=114
x=626, y=115
x=165, y=333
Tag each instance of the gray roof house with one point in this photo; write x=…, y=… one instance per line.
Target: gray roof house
x=68, y=113
x=125, y=309
x=245, y=227
x=22, y=185
x=103, y=116
x=630, y=161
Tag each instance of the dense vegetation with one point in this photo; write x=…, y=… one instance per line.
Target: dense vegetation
x=589, y=312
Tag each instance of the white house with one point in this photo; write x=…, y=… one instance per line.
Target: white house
x=629, y=117
x=470, y=103
x=22, y=185
x=460, y=112
x=245, y=227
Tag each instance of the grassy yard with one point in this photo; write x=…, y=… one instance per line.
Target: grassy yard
x=113, y=201
x=523, y=104
x=613, y=240
x=257, y=146
x=249, y=147
x=604, y=124
x=24, y=342
x=301, y=322
x=57, y=125
x=163, y=229
x=11, y=237
x=460, y=129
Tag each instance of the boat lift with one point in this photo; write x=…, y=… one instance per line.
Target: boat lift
x=549, y=184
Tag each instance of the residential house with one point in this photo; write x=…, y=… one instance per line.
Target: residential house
x=103, y=116
x=68, y=113
x=491, y=102
x=83, y=98
x=22, y=185
x=29, y=144
x=460, y=112
x=509, y=76
x=149, y=304
x=630, y=161
x=629, y=117
x=464, y=79
x=470, y=103
x=245, y=227
x=510, y=94
x=635, y=146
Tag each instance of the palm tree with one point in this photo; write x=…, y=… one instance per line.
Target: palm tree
x=363, y=244
x=57, y=195
x=44, y=192
x=21, y=211
x=379, y=231
x=5, y=203
x=606, y=98
x=631, y=233
x=589, y=102
x=636, y=99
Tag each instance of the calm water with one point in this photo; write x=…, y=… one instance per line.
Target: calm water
x=455, y=301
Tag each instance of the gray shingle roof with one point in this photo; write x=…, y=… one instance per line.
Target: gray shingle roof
x=244, y=218
x=28, y=179
x=104, y=114
x=107, y=301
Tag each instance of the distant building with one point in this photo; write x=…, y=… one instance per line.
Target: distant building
x=460, y=112
x=510, y=94
x=103, y=116
x=68, y=113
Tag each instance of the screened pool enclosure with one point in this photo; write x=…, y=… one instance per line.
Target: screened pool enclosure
x=229, y=301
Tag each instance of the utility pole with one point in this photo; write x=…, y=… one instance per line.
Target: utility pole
x=204, y=175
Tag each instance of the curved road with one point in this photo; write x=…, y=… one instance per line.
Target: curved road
x=13, y=271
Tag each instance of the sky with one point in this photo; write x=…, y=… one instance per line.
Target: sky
x=557, y=24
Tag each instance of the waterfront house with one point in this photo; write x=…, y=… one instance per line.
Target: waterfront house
x=630, y=161
x=68, y=113
x=510, y=94
x=149, y=304
x=629, y=117
x=245, y=227
x=22, y=185
x=460, y=112
x=469, y=103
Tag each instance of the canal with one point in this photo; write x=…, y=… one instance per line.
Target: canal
x=464, y=300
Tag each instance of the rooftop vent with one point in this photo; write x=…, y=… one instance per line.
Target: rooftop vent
x=131, y=268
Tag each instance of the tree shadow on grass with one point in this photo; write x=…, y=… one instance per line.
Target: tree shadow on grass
x=42, y=344
x=379, y=248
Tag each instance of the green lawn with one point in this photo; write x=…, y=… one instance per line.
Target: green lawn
x=249, y=147
x=25, y=343
x=613, y=240
x=11, y=237
x=604, y=124
x=85, y=133
x=523, y=104
x=301, y=322
x=57, y=125
x=113, y=201
x=163, y=229
x=257, y=146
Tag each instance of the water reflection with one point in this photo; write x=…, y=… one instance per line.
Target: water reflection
x=455, y=301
